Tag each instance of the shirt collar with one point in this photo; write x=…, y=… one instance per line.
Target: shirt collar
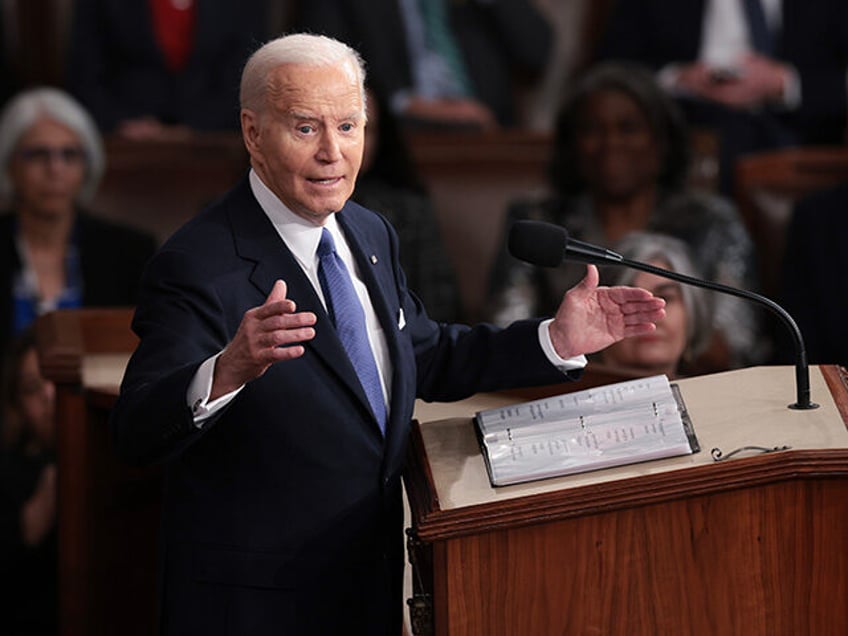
x=299, y=235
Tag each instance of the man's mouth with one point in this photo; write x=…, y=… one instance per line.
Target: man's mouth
x=325, y=181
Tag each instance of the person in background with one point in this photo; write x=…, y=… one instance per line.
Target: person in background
x=763, y=74
x=160, y=69
x=54, y=254
x=441, y=63
x=619, y=165
x=388, y=184
x=814, y=282
x=279, y=360
x=28, y=538
x=686, y=330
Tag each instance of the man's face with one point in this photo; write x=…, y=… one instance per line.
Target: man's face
x=306, y=145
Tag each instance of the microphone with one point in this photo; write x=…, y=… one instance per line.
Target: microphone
x=548, y=245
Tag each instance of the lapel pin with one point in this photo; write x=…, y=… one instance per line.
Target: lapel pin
x=373, y=259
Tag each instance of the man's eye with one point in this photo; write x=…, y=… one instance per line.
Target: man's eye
x=304, y=129
x=346, y=127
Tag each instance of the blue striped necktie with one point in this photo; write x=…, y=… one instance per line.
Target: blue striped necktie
x=349, y=318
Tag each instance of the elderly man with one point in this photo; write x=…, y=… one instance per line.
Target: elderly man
x=280, y=357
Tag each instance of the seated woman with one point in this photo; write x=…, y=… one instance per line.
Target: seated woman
x=686, y=329
x=28, y=557
x=53, y=254
x=619, y=165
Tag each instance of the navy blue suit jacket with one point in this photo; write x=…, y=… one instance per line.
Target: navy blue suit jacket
x=283, y=513
x=814, y=39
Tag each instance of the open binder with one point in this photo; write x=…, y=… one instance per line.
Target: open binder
x=623, y=423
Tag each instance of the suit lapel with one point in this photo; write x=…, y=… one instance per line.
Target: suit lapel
x=374, y=262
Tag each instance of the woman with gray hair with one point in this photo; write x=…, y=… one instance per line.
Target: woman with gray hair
x=53, y=254
x=686, y=330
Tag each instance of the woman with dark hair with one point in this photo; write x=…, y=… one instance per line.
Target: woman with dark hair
x=620, y=165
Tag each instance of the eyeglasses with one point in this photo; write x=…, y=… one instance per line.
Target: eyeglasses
x=70, y=155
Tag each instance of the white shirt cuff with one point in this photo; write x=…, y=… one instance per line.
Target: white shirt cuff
x=577, y=362
x=791, y=99
x=199, y=390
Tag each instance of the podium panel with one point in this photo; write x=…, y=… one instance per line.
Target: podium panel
x=755, y=544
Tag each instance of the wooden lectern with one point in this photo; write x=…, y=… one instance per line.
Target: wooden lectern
x=108, y=512
x=756, y=543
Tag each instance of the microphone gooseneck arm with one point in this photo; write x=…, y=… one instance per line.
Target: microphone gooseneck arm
x=802, y=374
x=548, y=245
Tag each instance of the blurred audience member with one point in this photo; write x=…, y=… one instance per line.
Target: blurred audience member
x=153, y=69
x=28, y=555
x=388, y=184
x=815, y=279
x=763, y=73
x=440, y=62
x=619, y=165
x=686, y=330
x=52, y=253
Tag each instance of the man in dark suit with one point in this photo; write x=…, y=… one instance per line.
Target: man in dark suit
x=493, y=42
x=282, y=509
x=815, y=279
x=158, y=69
x=764, y=73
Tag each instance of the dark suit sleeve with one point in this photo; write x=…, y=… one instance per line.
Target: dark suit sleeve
x=180, y=324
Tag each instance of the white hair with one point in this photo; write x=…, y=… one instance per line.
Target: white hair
x=25, y=109
x=297, y=48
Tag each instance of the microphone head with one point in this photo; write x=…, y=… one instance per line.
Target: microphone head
x=538, y=243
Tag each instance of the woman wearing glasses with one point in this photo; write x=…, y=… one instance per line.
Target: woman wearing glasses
x=53, y=254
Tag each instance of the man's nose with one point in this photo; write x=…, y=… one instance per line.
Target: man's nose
x=329, y=149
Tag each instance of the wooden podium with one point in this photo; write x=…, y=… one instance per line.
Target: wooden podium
x=753, y=544
x=108, y=512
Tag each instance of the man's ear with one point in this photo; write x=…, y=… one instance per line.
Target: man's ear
x=250, y=131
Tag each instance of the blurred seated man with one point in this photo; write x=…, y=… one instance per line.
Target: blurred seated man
x=159, y=69
x=764, y=73
x=440, y=63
